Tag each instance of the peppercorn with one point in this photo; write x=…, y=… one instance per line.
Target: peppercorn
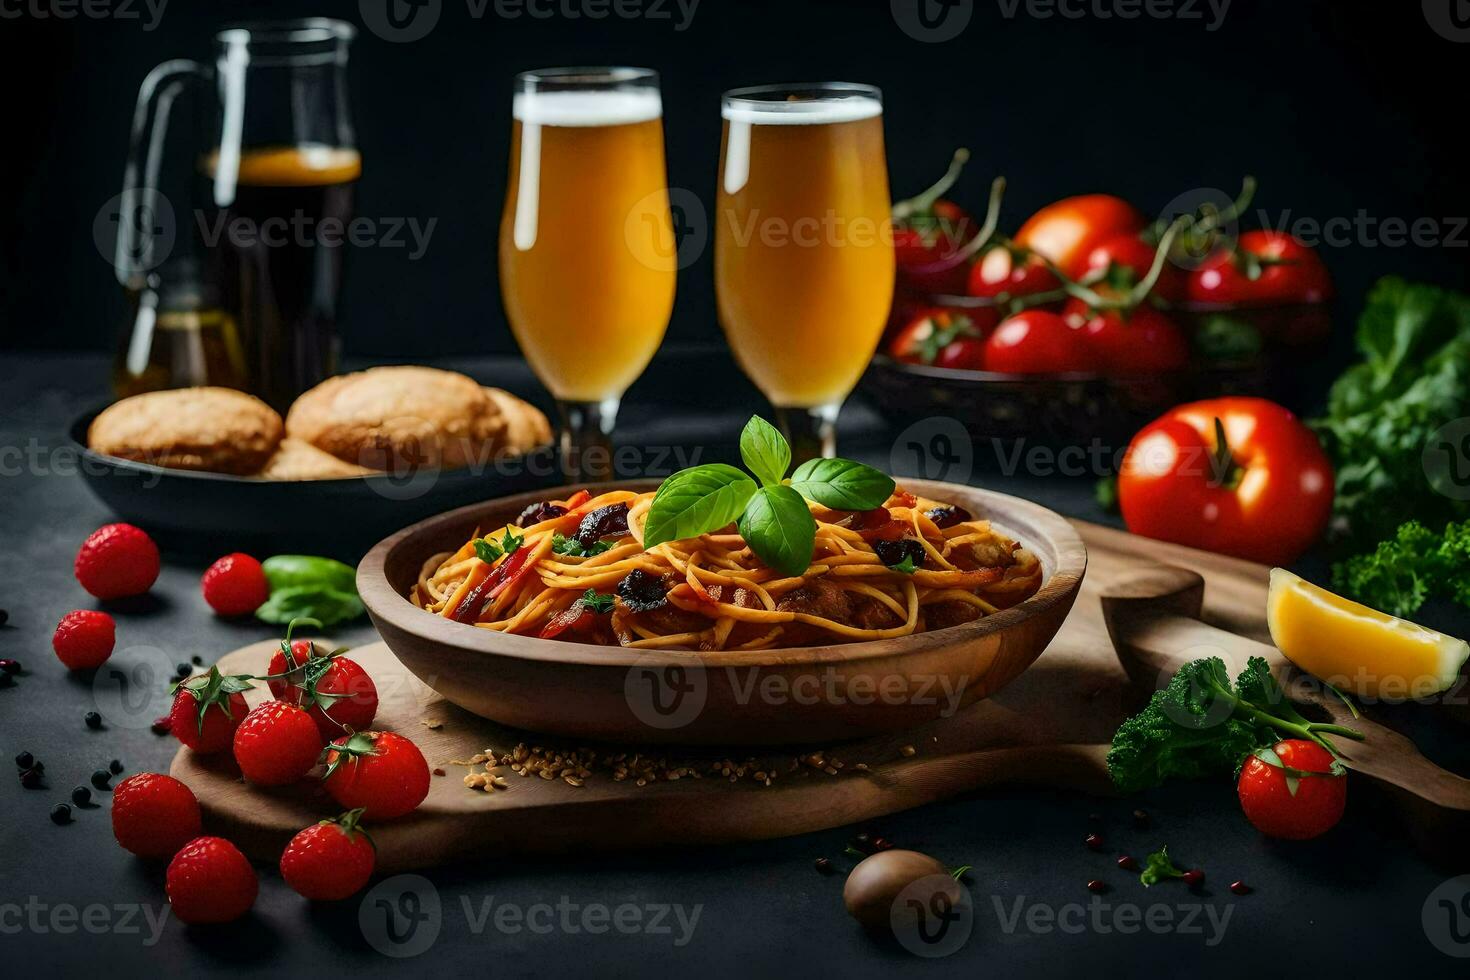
x=60, y=814
x=1240, y=888
x=10, y=666
x=823, y=865
x=101, y=779
x=93, y=720
x=1097, y=886
x=115, y=766
x=25, y=760
x=1094, y=842
x=81, y=796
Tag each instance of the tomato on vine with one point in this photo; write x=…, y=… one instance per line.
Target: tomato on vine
x=1265, y=268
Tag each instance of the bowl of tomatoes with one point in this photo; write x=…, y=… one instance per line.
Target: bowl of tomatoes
x=1090, y=319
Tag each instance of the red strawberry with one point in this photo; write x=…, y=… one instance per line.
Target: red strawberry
x=235, y=585
x=209, y=880
x=277, y=743
x=337, y=693
x=117, y=560
x=330, y=860
x=381, y=772
x=84, y=639
x=207, y=710
x=154, y=815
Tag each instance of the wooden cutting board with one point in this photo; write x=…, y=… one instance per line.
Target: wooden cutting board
x=1051, y=726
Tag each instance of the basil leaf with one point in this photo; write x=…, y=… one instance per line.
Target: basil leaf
x=289, y=571
x=328, y=606
x=842, y=484
x=780, y=528
x=765, y=451
x=694, y=501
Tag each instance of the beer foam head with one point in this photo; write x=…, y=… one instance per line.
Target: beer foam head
x=587, y=108
x=802, y=112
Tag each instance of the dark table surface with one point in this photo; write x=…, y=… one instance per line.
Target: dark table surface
x=71, y=899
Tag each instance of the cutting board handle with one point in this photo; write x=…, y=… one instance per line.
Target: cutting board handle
x=1153, y=620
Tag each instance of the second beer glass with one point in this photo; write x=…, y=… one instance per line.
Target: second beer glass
x=803, y=247
x=587, y=249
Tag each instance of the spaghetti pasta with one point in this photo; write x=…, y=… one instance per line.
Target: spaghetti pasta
x=577, y=570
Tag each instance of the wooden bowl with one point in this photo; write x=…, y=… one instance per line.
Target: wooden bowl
x=779, y=696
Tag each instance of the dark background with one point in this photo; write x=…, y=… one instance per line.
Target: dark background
x=1336, y=106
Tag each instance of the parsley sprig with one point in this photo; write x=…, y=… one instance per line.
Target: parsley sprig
x=490, y=551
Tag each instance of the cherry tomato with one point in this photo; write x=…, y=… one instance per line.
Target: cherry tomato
x=1287, y=802
x=1005, y=274
x=1066, y=232
x=1266, y=268
x=1037, y=342
x=921, y=341
x=1125, y=260
x=1143, y=341
x=1265, y=496
x=966, y=354
x=929, y=249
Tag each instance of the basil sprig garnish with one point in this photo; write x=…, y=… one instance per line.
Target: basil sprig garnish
x=772, y=516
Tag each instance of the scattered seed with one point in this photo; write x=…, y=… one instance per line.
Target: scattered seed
x=1193, y=877
x=31, y=778
x=864, y=843
x=197, y=660
x=882, y=844
x=1128, y=863
x=160, y=725
x=4, y=617
x=431, y=723
x=438, y=772
x=1240, y=888
x=823, y=865
x=6, y=680
x=93, y=720
x=1140, y=819
x=115, y=766
x=1097, y=886
x=60, y=814
x=101, y=779
x=81, y=796
x=10, y=666
x=907, y=751
x=183, y=669
x=25, y=760
x=1094, y=842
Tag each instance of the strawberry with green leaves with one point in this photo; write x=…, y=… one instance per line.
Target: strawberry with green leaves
x=207, y=709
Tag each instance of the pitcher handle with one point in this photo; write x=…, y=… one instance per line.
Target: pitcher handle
x=145, y=219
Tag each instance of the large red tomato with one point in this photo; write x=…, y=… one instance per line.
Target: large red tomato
x=1265, y=494
x=1066, y=232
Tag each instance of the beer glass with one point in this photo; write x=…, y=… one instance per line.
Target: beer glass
x=280, y=168
x=587, y=249
x=804, y=262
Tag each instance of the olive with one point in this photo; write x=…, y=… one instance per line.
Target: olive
x=875, y=884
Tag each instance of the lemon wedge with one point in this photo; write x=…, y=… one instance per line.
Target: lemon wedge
x=1358, y=649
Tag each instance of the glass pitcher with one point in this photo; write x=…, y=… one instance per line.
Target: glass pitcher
x=277, y=180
